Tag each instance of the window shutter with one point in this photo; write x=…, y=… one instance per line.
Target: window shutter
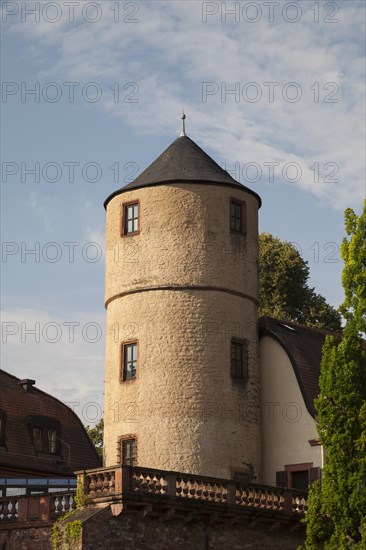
x=281, y=479
x=314, y=474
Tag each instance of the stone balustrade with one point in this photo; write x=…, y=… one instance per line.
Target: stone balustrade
x=45, y=507
x=121, y=483
x=8, y=508
x=110, y=484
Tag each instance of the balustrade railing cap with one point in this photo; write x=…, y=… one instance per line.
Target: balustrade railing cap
x=100, y=469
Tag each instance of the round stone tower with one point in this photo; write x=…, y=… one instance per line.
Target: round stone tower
x=182, y=377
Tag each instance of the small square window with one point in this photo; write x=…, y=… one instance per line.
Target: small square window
x=129, y=361
x=128, y=452
x=239, y=360
x=131, y=218
x=237, y=216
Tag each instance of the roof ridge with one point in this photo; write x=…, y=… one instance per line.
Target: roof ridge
x=301, y=325
x=34, y=388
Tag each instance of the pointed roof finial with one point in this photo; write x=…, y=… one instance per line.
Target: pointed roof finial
x=183, y=132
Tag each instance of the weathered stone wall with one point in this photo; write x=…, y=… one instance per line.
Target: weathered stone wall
x=130, y=533
x=187, y=413
x=184, y=239
x=26, y=538
x=103, y=531
x=183, y=407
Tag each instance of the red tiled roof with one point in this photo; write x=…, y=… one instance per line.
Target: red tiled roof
x=303, y=346
x=77, y=451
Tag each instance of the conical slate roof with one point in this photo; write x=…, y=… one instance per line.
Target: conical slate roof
x=183, y=162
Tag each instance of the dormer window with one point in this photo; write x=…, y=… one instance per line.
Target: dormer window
x=52, y=441
x=38, y=439
x=45, y=433
x=45, y=440
x=131, y=219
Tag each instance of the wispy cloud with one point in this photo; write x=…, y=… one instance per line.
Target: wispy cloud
x=171, y=52
x=46, y=209
x=66, y=353
x=97, y=236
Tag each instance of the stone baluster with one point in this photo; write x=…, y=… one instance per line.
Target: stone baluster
x=6, y=509
x=66, y=503
x=158, y=485
x=106, y=483
x=144, y=483
x=99, y=484
x=251, y=497
x=92, y=485
x=287, y=501
x=52, y=506
x=152, y=484
x=230, y=496
x=205, y=491
x=112, y=483
x=172, y=485
x=185, y=486
x=270, y=499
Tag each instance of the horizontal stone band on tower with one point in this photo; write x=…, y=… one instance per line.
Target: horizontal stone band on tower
x=182, y=288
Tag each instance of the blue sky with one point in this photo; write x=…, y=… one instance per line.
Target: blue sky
x=269, y=90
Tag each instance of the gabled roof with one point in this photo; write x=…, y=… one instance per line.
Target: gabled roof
x=303, y=346
x=183, y=162
x=19, y=455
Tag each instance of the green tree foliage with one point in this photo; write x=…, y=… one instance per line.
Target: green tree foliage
x=96, y=435
x=337, y=511
x=284, y=290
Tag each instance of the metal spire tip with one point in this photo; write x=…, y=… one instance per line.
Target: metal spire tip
x=183, y=132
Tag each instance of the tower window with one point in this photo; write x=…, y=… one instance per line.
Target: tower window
x=128, y=452
x=131, y=225
x=237, y=216
x=129, y=354
x=239, y=360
